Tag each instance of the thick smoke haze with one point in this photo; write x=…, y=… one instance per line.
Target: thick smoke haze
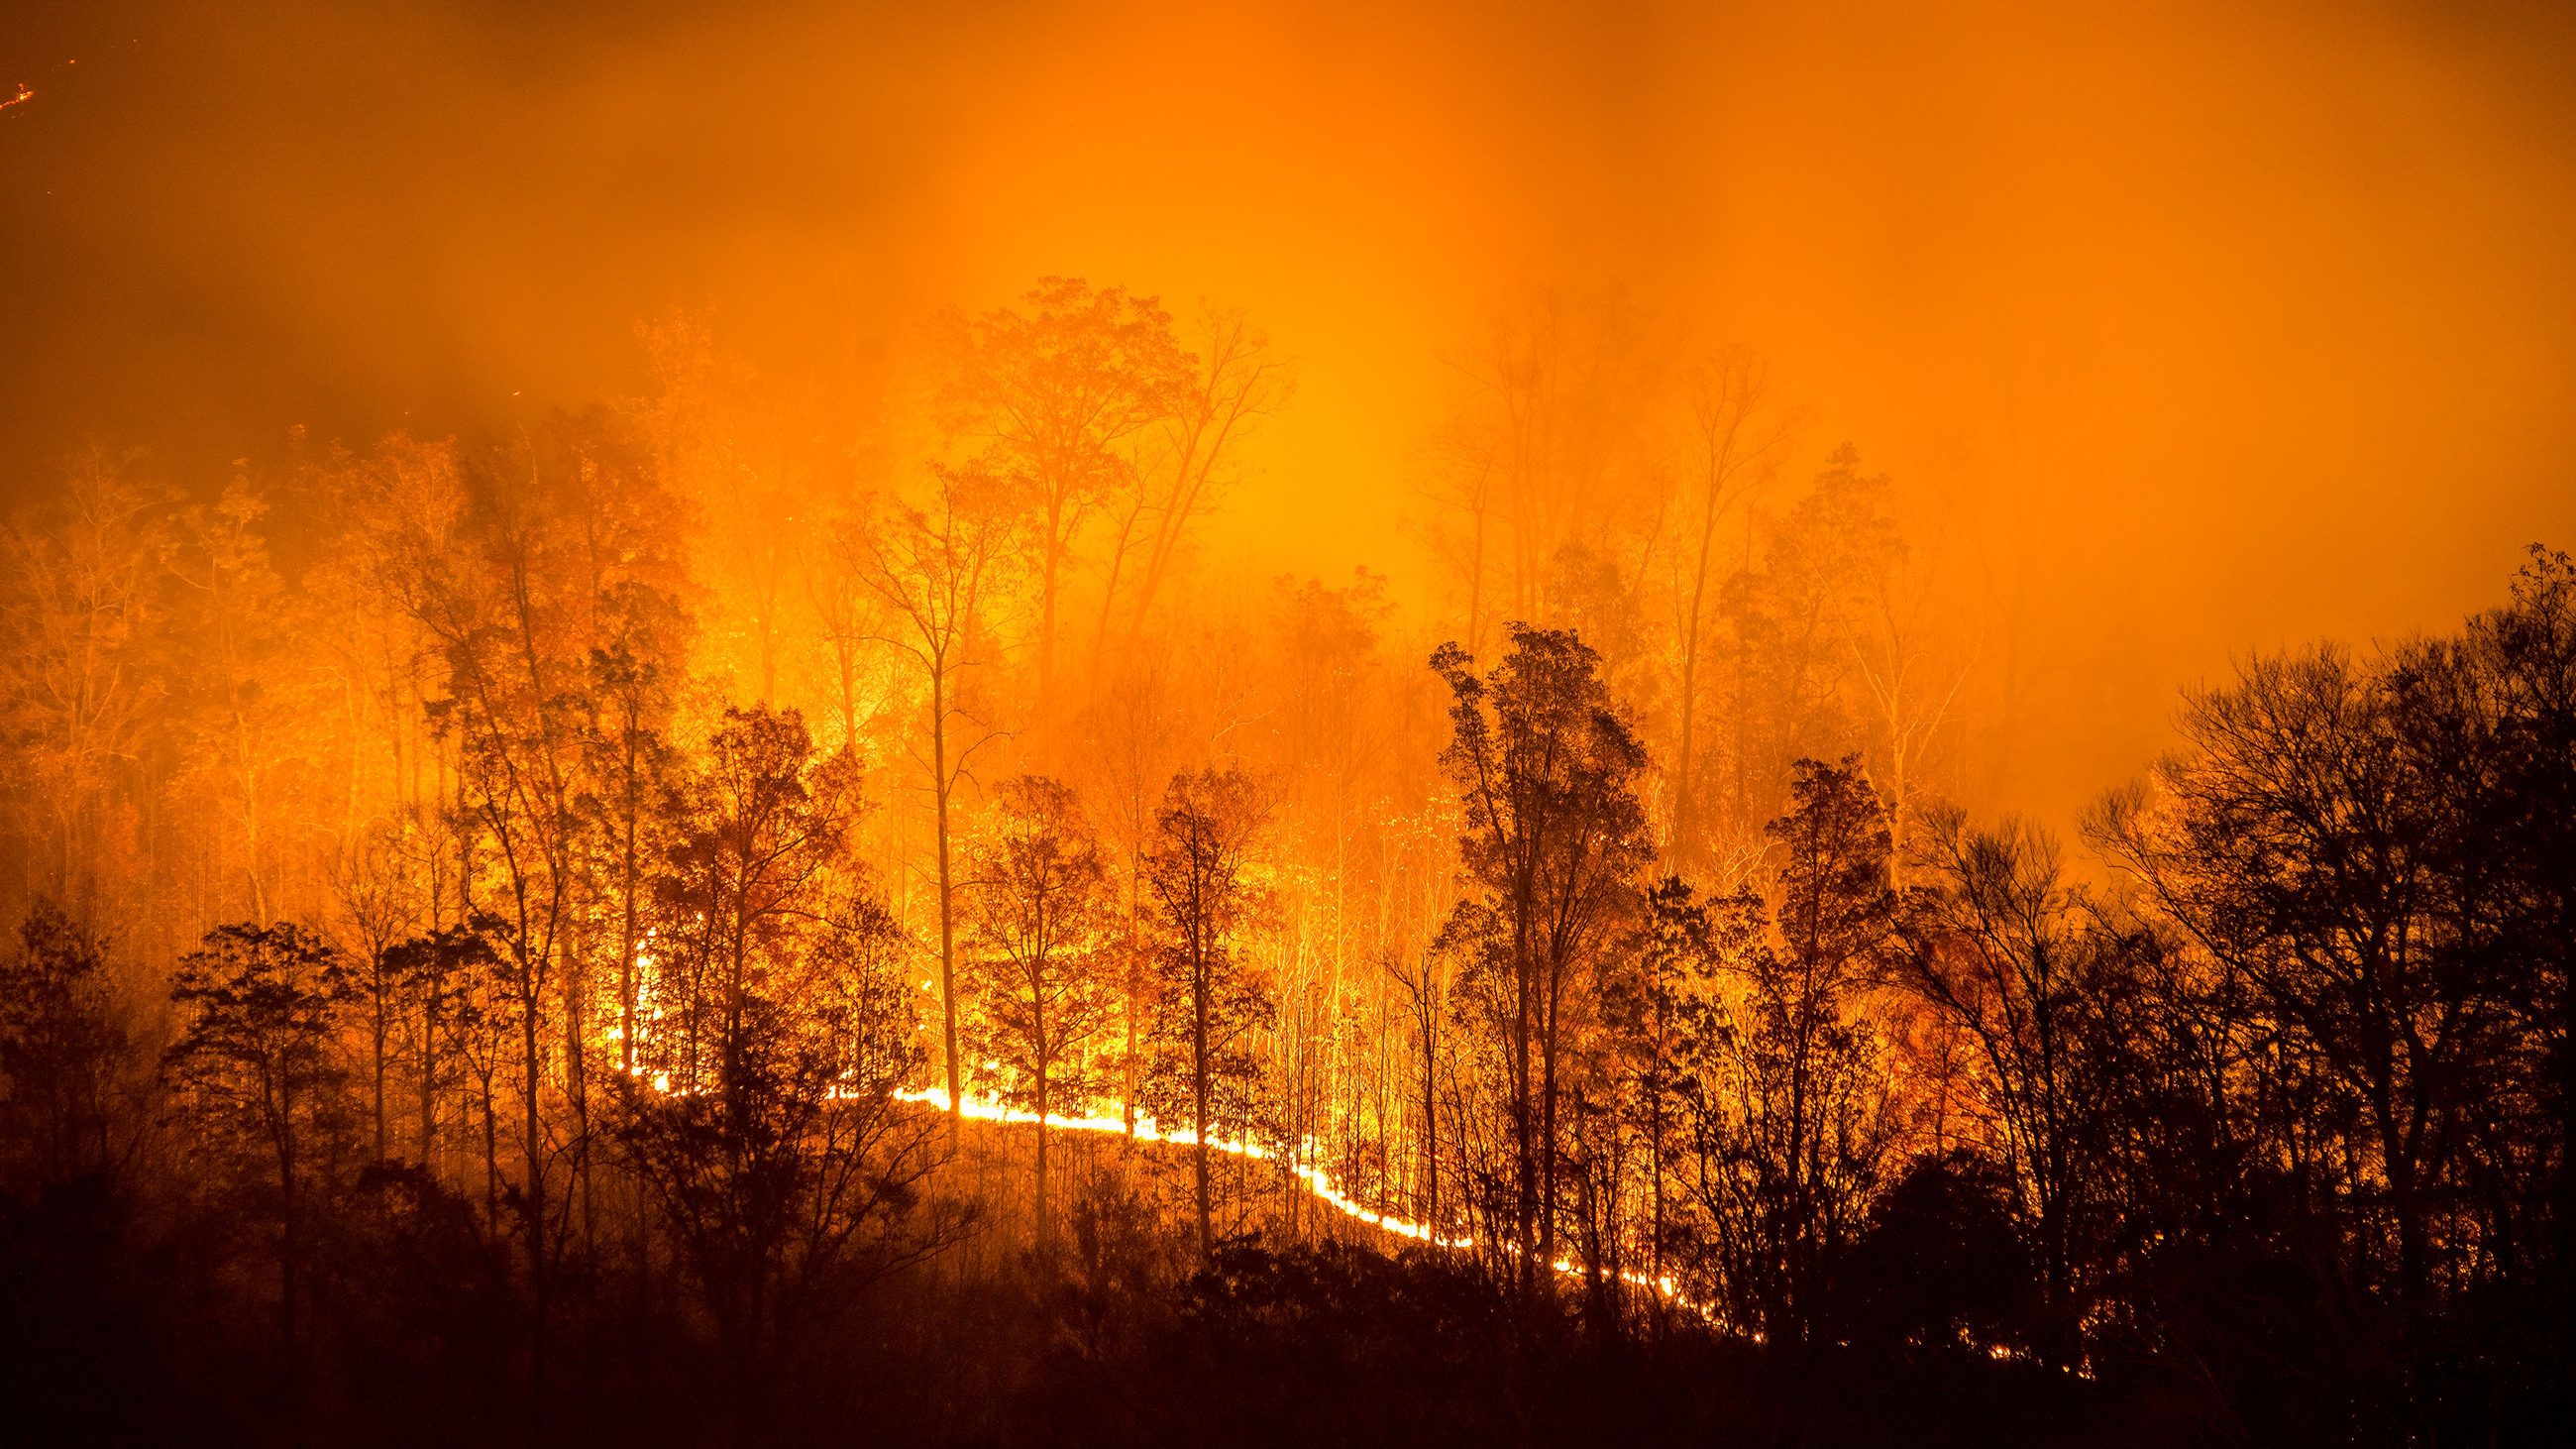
x=2183, y=333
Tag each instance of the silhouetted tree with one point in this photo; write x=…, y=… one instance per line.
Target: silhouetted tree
x=1782, y=1085
x=2302, y=844
x=934, y=568
x=1197, y=870
x=761, y=1119
x=67, y=1084
x=2001, y=946
x=1062, y=394
x=1037, y=927
x=1555, y=837
x=259, y=1076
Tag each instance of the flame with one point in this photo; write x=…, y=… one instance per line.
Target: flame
x=25, y=94
x=1318, y=1183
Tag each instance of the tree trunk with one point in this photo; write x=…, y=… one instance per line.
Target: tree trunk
x=628, y=945
x=1430, y=1123
x=491, y=1159
x=376, y=1054
x=1042, y=1206
x=1046, y=604
x=1199, y=1098
x=428, y=1077
x=947, y=891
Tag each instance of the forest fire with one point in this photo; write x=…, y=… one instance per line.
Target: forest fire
x=1318, y=1182
x=1143, y=1128
x=1277, y=722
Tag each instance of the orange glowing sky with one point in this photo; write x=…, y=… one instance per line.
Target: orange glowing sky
x=2186, y=332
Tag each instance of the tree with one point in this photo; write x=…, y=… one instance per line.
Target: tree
x=521, y=569
x=1037, y=925
x=1548, y=436
x=374, y=900
x=257, y=1070
x=2298, y=843
x=1062, y=394
x=82, y=611
x=769, y=824
x=1797, y=623
x=1910, y=688
x=2327, y=834
x=1546, y=769
x=1997, y=943
x=844, y=609
x=2507, y=690
x=1422, y=982
x=636, y=672
x=1736, y=450
x=1133, y=736
x=1680, y=951
x=934, y=568
x=1835, y=916
x=1197, y=868
x=444, y=978
x=715, y=433
x=1215, y=401
x=239, y=700
x=763, y=1121
x=503, y=608
x=1783, y=1087
x=1458, y=491
x=65, y=1070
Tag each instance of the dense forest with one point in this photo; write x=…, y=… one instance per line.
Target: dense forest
x=703, y=922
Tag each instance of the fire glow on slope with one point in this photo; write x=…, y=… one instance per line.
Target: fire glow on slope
x=1319, y=1184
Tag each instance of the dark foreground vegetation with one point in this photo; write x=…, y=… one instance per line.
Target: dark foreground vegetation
x=417, y=1342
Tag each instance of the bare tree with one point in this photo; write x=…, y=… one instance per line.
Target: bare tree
x=935, y=568
x=1422, y=980
x=1997, y=942
x=1737, y=442
x=1215, y=404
